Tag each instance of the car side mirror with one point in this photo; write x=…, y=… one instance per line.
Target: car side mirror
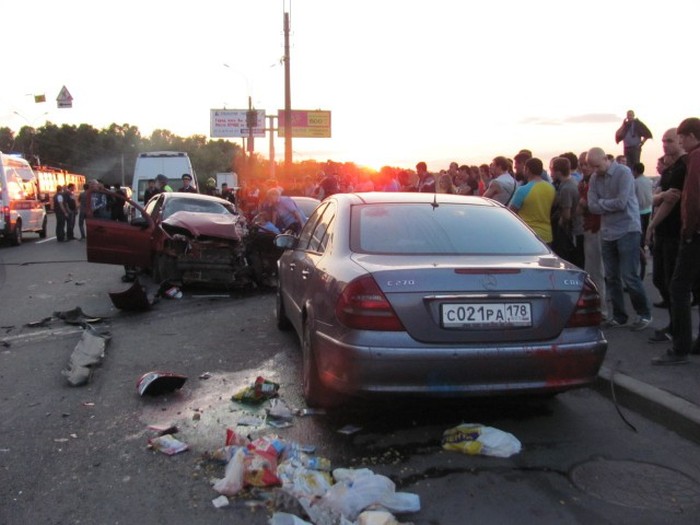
x=286, y=241
x=140, y=222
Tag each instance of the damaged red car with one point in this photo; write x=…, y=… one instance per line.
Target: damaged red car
x=185, y=237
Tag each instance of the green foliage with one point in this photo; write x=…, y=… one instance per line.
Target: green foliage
x=104, y=153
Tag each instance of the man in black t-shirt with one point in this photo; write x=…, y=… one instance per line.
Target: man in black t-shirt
x=663, y=233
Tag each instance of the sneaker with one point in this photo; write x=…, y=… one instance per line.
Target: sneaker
x=640, y=324
x=612, y=323
x=660, y=336
x=670, y=358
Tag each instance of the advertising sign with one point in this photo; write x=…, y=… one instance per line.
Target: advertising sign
x=231, y=123
x=306, y=123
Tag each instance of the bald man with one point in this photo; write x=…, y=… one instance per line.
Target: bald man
x=611, y=194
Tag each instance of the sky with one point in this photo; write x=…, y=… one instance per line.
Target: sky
x=404, y=80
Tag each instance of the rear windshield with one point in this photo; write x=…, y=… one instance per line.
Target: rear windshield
x=449, y=229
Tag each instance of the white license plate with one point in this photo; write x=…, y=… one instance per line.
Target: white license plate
x=490, y=315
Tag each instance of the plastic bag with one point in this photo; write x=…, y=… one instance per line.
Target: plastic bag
x=356, y=490
x=167, y=444
x=232, y=482
x=376, y=517
x=283, y=518
x=258, y=392
x=475, y=439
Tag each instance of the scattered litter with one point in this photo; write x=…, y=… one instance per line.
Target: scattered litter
x=161, y=430
x=5, y=344
x=88, y=404
x=284, y=518
x=4, y=449
x=205, y=375
x=133, y=299
x=196, y=416
x=279, y=415
x=476, y=439
x=76, y=316
x=220, y=502
x=79, y=283
x=356, y=490
x=74, y=436
x=349, y=430
x=167, y=444
x=61, y=440
x=232, y=482
x=173, y=293
x=234, y=439
x=376, y=517
x=251, y=421
x=40, y=324
x=157, y=383
x=88, y=353
x=311, y=412
x=258, y=392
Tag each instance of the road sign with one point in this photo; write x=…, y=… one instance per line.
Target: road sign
x=64, y=98
x=228, y=123
x=306, y=123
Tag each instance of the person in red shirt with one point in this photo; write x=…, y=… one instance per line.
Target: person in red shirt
x=687, y=270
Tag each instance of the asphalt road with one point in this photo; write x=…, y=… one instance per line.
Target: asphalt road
x=79, y=454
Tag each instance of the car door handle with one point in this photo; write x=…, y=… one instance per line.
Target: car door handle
x=292, y=266
x=305, y=273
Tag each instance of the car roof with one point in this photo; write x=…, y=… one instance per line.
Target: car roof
x=378, y=197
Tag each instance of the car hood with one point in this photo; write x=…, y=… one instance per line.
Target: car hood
x=205, y=224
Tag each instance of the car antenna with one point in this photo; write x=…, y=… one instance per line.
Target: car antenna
x=434, y=204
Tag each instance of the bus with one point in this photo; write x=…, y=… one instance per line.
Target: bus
x=50, y=178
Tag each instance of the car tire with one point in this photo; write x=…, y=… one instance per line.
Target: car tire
x=315, y=393
x=16, y=238
x=42, y=232
x=283, y=323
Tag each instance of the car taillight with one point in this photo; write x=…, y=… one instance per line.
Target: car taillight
x=587, y=312
x=6, y=214
x=362, y=305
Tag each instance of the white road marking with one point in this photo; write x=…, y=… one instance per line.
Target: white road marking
x=45, y=240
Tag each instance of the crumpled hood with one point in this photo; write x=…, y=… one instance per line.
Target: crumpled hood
x=205, y=224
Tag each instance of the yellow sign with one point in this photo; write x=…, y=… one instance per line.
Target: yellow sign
x=306, y=123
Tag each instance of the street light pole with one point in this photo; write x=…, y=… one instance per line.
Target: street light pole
x=271, y=129
x=287, y=101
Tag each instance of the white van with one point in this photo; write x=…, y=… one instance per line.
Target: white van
x=172, y=164
x=20, y=208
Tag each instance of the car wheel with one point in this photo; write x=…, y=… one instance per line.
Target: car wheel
x=283, y=322
x=16, y=238
x=42, y=232
x=315, y=393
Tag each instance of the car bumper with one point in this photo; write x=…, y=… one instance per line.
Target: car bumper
x=409, y=367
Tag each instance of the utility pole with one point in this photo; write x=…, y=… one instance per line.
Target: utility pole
x=251, y=122
x=287, y=101
x=271, y=128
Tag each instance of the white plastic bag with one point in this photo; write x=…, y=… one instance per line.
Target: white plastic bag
x=232, y=482
x=474, y=439
x=283, y=518
x=356, y=490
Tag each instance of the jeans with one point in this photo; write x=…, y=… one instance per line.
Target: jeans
x=70, y=225
x=621, y=260
x=60, y=226
x=644, y=220
x=592, y=249
x=665, y=253
x=81, y=224
x=633, y=154
x=685, y=275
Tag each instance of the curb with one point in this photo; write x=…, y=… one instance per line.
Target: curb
x=658, y=405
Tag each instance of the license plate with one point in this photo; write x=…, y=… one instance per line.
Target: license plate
x=491, y=315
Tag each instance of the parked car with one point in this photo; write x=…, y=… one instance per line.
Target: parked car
x=185, y=237
x=414, y=293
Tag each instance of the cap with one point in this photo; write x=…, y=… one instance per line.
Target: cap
x=186, y=176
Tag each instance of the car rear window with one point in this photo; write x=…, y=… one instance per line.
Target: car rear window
x=448, y=229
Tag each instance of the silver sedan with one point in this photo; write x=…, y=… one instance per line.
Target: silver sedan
x=414, y=293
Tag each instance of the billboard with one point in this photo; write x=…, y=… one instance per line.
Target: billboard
x=231, y=123
x=306, y=123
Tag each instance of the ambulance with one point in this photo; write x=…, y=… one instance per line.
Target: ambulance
x=21, y=209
